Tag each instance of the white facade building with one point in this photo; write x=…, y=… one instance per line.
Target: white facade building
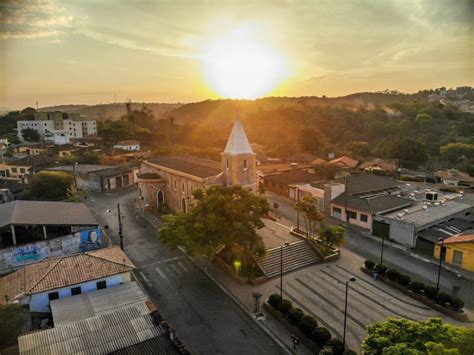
x=131, y=145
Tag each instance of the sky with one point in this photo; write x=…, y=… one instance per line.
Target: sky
x=88, y=52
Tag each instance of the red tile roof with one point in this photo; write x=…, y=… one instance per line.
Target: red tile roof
x=64, y=271
x=460, y=238
x=344, y=160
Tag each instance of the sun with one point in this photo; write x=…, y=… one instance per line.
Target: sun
x=241, y=68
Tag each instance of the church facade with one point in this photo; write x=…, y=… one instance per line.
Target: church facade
x=170, y=180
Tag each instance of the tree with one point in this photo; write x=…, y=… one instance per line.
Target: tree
x=12, y=319
x=429, y=336
x=332, y=236
x=453, y=152
x=50, y=185
x=410, y=152
x=423, y=118
x=30, y=135
x=310, y=141
x=226, y=217
x=360, y=149
x=312, y=217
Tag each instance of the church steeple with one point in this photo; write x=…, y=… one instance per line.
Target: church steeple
x=238, y=159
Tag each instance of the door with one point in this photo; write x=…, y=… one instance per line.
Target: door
x=160, y=200
x=457, y=258
x=118, y=182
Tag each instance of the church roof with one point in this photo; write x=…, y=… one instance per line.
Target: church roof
x=238, y=143
x=195, y=166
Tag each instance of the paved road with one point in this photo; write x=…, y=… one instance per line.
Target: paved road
x=205, y=318
x=360, y=244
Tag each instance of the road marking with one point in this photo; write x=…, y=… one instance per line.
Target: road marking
x=145, y=278
x=181, y=265
x=161, y=273
x=161, y=261
x=177, y=270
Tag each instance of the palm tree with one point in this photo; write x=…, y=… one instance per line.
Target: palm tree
x=332, y=236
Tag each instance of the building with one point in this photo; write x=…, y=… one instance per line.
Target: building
x=58, y=137
x=453, y=177
x=15, y=187
x=22, y=168
x=130, y=146
x=36, y=285
x=282, y=183
x=379, y=166
x=457, y=250
x=100, y=178
x=302, y=158
x=35, y=230
x=170, y=180
x=344, y=162
x=46, y=123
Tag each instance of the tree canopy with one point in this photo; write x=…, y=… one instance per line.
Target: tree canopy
x=312, y=217
x=50, y=185
x=30, y=135
x=430, y=336
x=12, y=319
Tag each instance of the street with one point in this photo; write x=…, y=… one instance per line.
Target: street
x=361, y=245
x=205, y=318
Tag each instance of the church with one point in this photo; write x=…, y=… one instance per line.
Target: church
x=170, y=180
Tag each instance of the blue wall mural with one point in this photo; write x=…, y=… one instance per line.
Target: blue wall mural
x=90, y=239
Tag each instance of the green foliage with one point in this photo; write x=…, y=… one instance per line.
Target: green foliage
x=332, y=236
x=285, y=306
x=50, y=185
x=393, y=274
x=326, y=350
x=431, y=292
x=87, y=157
x=423, y=118
x=12, y=319
x=444, y=298
x=410, y=152
x=381, y=269
x=30, y=135
x=320, y=335
x=336, y=345
x=295, y=314
x=220, y=216
x=310, y=141
x=359, y=150
x=369, y=264
x=416, y=286
x=457, y=303
x=307, y=324
x=275, y=300
x=454, y=152
x=403, y=336
x=404, y=280
x=312, y=217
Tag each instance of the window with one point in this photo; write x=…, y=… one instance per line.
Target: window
x=22, y=170
x=336, y=212
x=76, y=291
x=364, y=217
x=245, y=164
x=101, y=285
x=53, y=296
x=14, y=170
x=125, y=180
x=227, y=163
x=175, y=184
x=351, y=214
x=467, y=213
x=182, y=186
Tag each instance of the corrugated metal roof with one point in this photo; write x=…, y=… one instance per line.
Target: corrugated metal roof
x=90, y=304
x=101, y=334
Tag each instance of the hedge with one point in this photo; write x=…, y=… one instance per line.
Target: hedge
x=393, y=274
x=294, y=315
x=381, y=269
x=285, y=306
x=326, y=350
x=320, y=335
x=336, y=345
x=307, y=325
x=457, y=303
x=275, y=300
x=431, y=292
x=404, y=280
x=416, y=286
x=444, y=298
x=369, y=264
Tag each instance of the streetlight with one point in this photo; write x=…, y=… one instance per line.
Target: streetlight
x=383, y=242
x=440, y=240
x=120, y=224
x=352, y=279
x=74, y=168
x=281, y=269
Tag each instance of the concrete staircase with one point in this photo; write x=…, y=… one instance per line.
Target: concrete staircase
x=295, y=256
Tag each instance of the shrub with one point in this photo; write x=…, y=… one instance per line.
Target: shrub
x=416, y=286
x=336, y=345
x=326, y=350
x=457, y=303
x=444, y=298
x=404, y=280
x=381, y=269
x=285, y=306
x=349, y=352
x=307, y=324
x=294, y=315
x=320, y=335
x=275, y=300
x=369, y=264
x=393, y=274
x=431, y=292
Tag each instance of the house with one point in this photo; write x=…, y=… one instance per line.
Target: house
x=35, y=230
x=453, y=177
x=36, y=285
x=379, y=166
x=14, y=186
x=67, y=149
x=57, y=136
x=318, y=161
x=130, y=145
x=21, y=169
x=344, y=162
x=457, y=250
x=100, y=178
x=180, y=175
x=282, y=183
x=302, y=158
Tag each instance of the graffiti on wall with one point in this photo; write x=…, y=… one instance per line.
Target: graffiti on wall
x=25, y=253
x=90, y=239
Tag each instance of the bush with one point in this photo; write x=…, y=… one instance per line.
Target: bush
x=444, y=298
x=404, y=280
x=457, y=303
x=336, y=345
x=431, y=292
x=320, y=335
x=349, y=352
x=416, y=286
x=369, y=264
x=307, y=325
x=326, y=350
x=381, y=269
x=393, y=274
x=294, y=315
x=275, y=300
x=285, y=306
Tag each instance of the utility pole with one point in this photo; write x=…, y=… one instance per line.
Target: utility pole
x=120, y=226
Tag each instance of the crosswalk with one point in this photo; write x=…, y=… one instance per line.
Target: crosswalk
x=168, y=269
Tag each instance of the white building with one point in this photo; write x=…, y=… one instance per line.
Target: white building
x=58, y=137
x=131, y=145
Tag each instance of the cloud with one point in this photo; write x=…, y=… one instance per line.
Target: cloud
x=32, y=19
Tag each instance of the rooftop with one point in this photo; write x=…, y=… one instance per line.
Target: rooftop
x=293, y=177
x=446, y=230
x=34, y=160
x=12, y=185
x=238, y=142
x=129, y=142
x=453, y=174
x=194, y=166
x=83, y=168
x=344, y=161
x=45, y=213
x=385, y=164
x=360, y=184
x=64, y=271
x=461, y=238
x=377, y=204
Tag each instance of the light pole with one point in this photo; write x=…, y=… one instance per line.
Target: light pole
x=352, y=279
x=74, y=167
x=440, y=261
x=281, y=269
x=120, y=224
x=383, y=242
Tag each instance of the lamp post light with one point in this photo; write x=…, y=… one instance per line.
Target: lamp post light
x=383, y=242
x=281, y=269
x=352, y=279
x=120, y=224
x=74, y=167
x=441, y=240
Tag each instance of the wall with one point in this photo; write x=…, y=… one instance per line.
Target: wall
x=355, y=221
x=402, y=232
x=39, y=302
x=24, y=254
x=467, y=250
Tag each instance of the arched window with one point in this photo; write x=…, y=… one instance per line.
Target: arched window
x=245, y=164
x=183, y=201
x=227, y=163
